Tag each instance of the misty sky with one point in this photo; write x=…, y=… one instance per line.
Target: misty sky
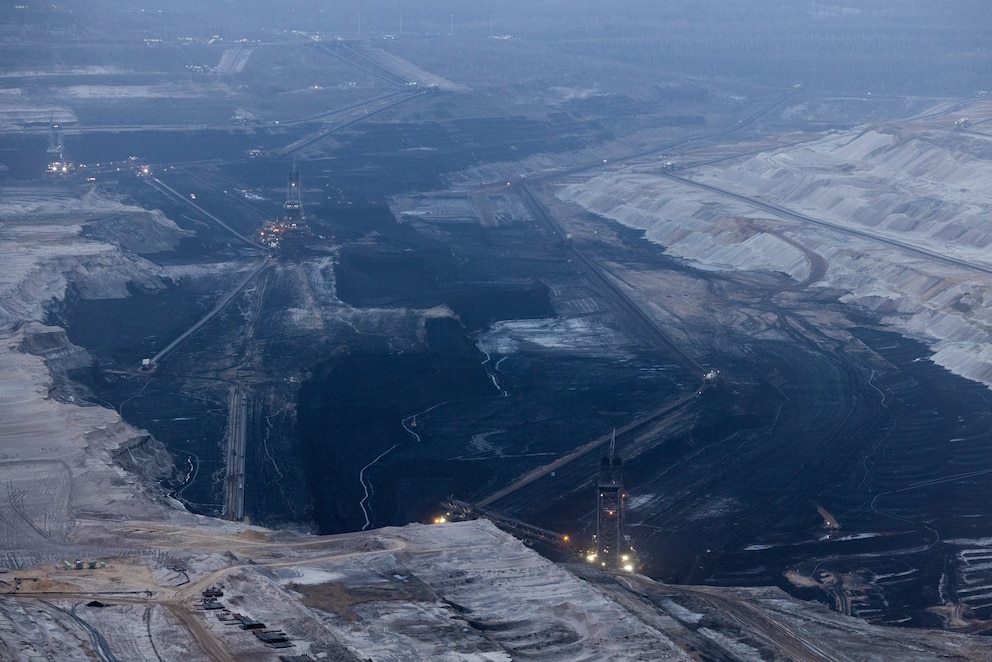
x=897, y=46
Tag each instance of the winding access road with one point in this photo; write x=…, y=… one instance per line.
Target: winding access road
x=784, y=212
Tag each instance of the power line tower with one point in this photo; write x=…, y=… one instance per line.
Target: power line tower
x=609, y=513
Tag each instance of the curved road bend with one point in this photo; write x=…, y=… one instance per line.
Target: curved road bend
x=100, y=645
x=206, y=639
x=622, y=303
x=783, y=212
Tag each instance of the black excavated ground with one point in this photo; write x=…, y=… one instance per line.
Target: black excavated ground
x=363, y=413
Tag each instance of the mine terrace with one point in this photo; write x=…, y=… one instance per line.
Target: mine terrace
x=489, y=333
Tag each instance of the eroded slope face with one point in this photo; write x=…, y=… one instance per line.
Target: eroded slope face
x=462, y=591
x=453, y=592
x=792, y=425
x=894, y=216
x=57, y=456
x=831, y=247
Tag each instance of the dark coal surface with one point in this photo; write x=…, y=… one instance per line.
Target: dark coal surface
x=351, y=413
x=349, y=431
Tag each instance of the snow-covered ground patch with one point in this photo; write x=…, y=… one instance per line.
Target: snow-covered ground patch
x=69, y=449
x=688, y=223
x=308, y=576
x=905, y=226
x=588, y=336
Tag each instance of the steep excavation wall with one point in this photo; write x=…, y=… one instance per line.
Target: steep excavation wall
x=880, y=192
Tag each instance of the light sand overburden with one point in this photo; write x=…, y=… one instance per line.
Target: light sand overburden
x=56, y=456
x=877, y=190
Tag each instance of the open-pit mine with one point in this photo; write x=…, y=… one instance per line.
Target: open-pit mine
x=327, y=339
